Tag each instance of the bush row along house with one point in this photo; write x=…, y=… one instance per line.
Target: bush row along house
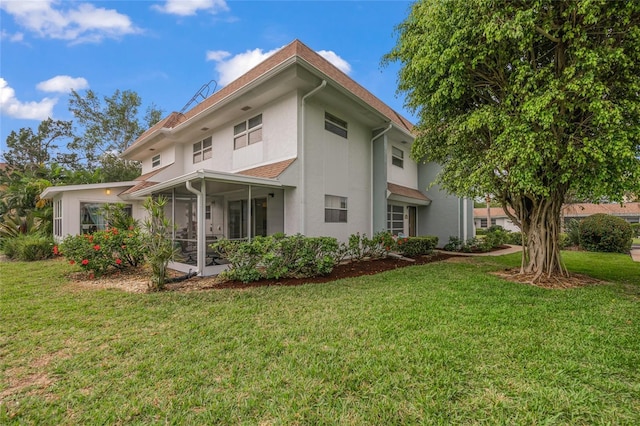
x=628, y=211
x=293, y=146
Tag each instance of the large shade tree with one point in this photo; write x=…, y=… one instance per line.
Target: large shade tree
x=526, y=100
x=105, y=126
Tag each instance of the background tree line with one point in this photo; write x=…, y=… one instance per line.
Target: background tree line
x=83, y=150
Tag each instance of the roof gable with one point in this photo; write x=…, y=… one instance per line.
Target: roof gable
x=295, y=51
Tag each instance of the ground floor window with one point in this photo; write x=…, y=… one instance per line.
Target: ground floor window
x=395, y=219
x=57, y=218
x=92, y=217
x=483, y=223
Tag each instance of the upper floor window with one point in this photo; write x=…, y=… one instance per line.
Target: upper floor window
x=397, y=157
x=335, y=125
x=335, y=209
x=155, y=161
x=202, y=150
x=248, y=132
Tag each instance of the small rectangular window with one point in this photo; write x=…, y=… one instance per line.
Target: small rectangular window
x=335, y=209
x=57, y=218
x=248, y=132
x=335, y=125
x=397, y=157
x=395, y=219
x=202, y=150
x=155, y=161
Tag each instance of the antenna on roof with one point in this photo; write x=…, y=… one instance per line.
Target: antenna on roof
x=203, y=92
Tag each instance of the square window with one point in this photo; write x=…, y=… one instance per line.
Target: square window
x=335, y=209
x=202, y=150
x=248, y=132
x=335, y=125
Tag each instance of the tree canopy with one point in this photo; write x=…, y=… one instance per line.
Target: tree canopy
x=526, y=100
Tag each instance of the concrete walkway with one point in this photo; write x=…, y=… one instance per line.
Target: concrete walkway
x=635, y=252
x=511, y=249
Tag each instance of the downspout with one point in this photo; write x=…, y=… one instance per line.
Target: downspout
x=464, y=218
x=371, y=172
x=302, y=158
x=200, y=237
x=249, y=217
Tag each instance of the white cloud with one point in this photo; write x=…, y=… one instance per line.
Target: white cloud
x=233, y=67
x=336, y=60
x=16, y=37
x=230, y=67
x=191, y=7
x=217, y=55
x=62, y=84
x=81, y=22
x=12, y=107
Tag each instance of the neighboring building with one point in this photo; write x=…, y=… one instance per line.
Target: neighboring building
x=294, y=146
x=628, y=211
x=498, y=217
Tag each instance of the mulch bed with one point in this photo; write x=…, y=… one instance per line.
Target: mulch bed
x=347, y=270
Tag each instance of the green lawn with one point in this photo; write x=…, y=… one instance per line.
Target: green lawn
x=442, y=343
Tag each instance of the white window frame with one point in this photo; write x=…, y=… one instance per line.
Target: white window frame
x=57, y=218
x=155, y=161
x=248, y=132
x=96, y=222
x=335, y=125
x=395, y=219
x=335, y=209
x=202, y=150
x=397, y=157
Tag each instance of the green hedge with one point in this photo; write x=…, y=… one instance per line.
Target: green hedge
x=417, y=246
x=278, y=256
x=605, y=233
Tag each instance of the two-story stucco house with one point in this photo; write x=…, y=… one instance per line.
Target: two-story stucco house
x=294, y=146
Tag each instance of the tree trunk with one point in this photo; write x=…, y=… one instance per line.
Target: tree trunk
x=539, y=220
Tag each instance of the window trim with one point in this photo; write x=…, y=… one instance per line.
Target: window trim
x=101, y=223
x=246, y=131
x=335, y=214
x=336, y=125
x=397, y=160
x=391, y=220
x=57, y=218
x=202, y=152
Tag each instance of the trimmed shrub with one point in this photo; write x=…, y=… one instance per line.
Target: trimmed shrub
x=28, y=247
x=572, y=230
x=515, y=238
x=605, y=233
x=278, y=257
x=417, y=246
x=636, y=229
x=481, y=231
x=495, y=237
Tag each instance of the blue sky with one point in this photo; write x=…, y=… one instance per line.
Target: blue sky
x=165, y=50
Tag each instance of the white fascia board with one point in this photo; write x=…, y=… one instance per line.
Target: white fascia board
x=209, y=175
x=52, y=191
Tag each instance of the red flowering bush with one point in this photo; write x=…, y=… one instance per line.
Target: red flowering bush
x=102, y=250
